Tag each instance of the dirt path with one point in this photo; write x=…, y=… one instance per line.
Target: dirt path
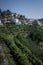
x=3, y=60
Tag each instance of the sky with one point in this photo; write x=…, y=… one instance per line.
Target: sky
x=29, y=8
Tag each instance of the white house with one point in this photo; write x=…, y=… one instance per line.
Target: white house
x=1, y=22
x=16, y=21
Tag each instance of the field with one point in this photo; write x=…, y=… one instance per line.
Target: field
x=21, y=44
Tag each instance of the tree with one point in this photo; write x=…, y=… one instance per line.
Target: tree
x=8, y=12
x=0, y=11
x=35, y=23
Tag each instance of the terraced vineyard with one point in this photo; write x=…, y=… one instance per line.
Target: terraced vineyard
x=22, y=44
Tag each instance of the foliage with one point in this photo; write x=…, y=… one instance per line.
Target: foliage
x=25, y=43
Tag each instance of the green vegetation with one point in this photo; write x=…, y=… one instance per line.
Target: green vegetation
x=22, y=44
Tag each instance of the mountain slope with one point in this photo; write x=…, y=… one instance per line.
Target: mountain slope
x=21, y=44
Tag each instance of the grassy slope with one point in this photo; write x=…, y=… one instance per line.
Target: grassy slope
x=22, y=31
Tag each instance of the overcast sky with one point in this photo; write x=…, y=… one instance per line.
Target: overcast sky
x=29, y=8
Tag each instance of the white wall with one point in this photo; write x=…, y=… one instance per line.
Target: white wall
x=0, y=21
x=17, y=21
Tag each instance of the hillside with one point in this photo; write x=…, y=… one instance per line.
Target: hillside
x=21, y=44
x=6, y=16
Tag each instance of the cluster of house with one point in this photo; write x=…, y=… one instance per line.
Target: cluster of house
x=17, y=19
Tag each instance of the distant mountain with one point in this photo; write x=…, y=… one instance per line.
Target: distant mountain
x=41, y=20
